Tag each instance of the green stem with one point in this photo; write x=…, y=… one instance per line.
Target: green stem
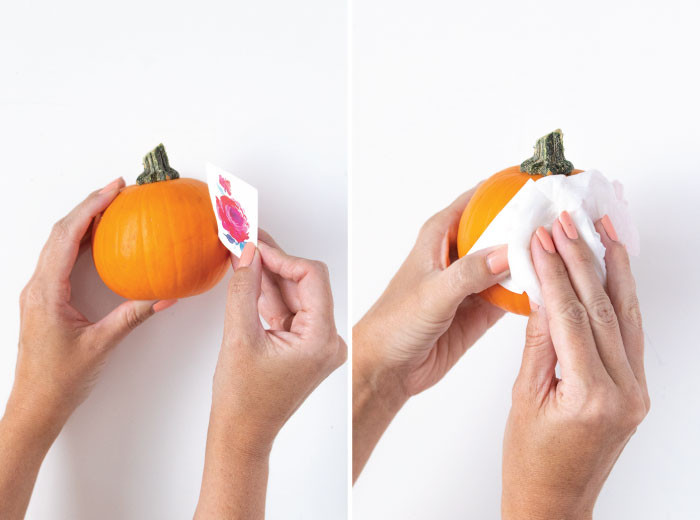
x=156, y=167
x=549, y=157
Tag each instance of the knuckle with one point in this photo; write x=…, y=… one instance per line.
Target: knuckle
x=557, y=269
x=599, y=411
x=580, y=255
x=319, y=267
x=30, y=296
x=536, y=336
x=602, y=311
x=621, y=256
x=239, y=284
x=637, y=409
x=429, y=225
x=60, y=230
x=631, y=312
x=574, y=313
x=460, y=276
x=338, y=350
x=134, y=318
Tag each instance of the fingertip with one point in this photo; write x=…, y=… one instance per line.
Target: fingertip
x=615, y=252
x=558, y=232
x=497, y=260
x=113, y=187
x=604, y=236
x=609, y=228
x=247, y=255
x=545, y=240
x=535, y=246
x=161, y=305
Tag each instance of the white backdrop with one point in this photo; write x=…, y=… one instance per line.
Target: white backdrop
x=86, y=89
x=448, y=92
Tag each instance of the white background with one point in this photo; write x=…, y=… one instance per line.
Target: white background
x=448, y=92
x=258, y=88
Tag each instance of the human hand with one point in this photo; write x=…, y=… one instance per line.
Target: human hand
x=263, y=376
x=564, y=435
x=430, y=313
x=60, y=352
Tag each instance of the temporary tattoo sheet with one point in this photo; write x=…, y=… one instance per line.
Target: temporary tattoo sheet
x=235, y=205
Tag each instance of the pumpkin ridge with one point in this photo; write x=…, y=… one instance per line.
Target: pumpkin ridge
x=143, y=218
x=173, y=243
x=201, y=276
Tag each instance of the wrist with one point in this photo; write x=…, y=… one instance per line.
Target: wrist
x=531, y=505
x=240, y=435
x=374, y=379
x=35, y=424
x=25, y=435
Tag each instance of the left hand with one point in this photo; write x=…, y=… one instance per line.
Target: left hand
x=430, y=313
x=61, y=352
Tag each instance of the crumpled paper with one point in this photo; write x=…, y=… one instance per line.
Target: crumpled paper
x=587, y=196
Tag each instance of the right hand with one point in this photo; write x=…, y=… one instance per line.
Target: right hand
x=262, y=376
x=564, y=435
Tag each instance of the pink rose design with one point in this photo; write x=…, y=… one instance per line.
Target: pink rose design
x=226, y=185
x=232, y=218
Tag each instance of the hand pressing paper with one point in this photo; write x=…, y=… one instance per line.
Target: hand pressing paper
x=587, y=196
x=509, y=206
x=235, y=205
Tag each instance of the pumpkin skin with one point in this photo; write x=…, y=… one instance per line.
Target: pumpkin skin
x=159, y=241
x=487, y=202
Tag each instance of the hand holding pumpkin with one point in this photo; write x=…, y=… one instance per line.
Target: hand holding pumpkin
x=263, y=376
x=427, y=318
x=564, y=435
x=60, y=351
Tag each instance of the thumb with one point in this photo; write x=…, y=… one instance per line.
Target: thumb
x=244, y=291
x=126, y=317
x=539, y=356
x=470, y=274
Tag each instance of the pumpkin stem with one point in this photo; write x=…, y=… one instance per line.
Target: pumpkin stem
x=549, y=157
x=156, y=167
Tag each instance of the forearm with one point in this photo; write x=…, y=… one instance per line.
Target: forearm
x=234, y=483
x=377, y=397
x=24, y=442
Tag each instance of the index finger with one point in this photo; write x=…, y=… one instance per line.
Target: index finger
x=61, y=250
x=568, y=320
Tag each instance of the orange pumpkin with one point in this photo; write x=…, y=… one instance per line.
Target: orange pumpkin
x=158, y=239
x=492, y=196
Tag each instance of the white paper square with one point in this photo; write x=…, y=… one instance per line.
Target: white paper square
x=235, y=204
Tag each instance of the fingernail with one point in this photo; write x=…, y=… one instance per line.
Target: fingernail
x=112, y=185
x=163, y=304
x=545, y=239
x=609, y=228
x=497, y=261
x=247, y=255
x=568, y=224
x=533, y=306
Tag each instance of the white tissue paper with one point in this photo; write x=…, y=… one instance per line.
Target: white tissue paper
x=587, y=196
